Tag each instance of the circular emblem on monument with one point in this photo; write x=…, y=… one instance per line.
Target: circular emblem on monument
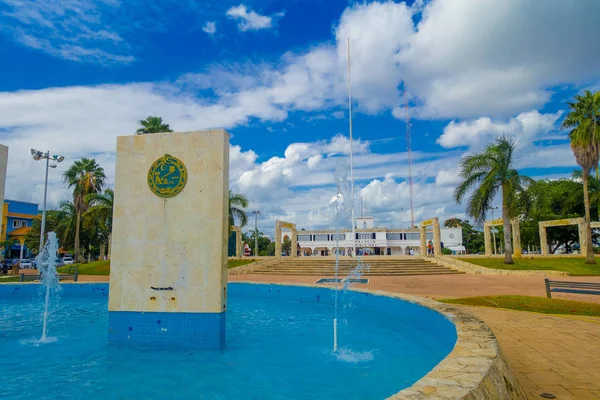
x=167, y=176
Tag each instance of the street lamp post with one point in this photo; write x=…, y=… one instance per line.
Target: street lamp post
x=38, y=155
x=494, y=231
x=256, y=214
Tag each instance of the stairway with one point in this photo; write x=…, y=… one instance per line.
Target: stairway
x=315, y=266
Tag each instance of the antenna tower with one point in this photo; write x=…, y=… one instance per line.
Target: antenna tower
x=408, y=149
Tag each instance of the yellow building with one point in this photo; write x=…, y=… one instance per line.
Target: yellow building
x=17, y=218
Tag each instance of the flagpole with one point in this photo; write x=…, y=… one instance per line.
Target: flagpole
x=351, y=160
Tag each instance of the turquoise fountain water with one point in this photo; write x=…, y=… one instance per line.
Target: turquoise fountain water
x=46, y=264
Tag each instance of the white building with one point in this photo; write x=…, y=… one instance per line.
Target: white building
x=372, y=240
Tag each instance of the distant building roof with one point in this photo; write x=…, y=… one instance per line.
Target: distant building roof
x=17, y=215
x=19, y=201
x=22, y=231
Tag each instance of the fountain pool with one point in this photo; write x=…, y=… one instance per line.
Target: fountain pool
x=278, y=346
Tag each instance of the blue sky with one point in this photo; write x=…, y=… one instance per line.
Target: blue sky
x=273, y=73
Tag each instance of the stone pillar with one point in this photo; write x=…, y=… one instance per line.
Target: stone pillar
x=437, y=238
x=3, y=164
x=168, y=278
x=423, y=238
x=487, y=239
x=582, y=236
x=294, y=246
x=238, y=242
x=543, y=240
x=277, y=239
x=516, y=238
x=22, y=243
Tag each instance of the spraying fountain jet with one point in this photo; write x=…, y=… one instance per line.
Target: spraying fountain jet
x=46, y=264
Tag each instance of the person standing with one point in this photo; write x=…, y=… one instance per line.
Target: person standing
x=15, y=266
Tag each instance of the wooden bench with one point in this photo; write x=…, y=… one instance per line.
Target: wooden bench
x=571, y=287
x=61, y=277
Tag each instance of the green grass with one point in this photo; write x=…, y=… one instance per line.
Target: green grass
x=573, y=265
x=10, y=279
x=92, y=268
x=103, y=267
x=238, y=263
x=530, y=303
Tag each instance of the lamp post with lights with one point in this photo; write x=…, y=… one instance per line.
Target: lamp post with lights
x=37, y=156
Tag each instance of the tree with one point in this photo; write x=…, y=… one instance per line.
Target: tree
x=100, y=214
x=153, y=124
x=287, y=246
x=66, y=228
x=85, y=176
x=472, y=239
x=550, y=200
x=265, y=246
x=53, y=219
x=488, y=173
x=593, y=192
x=583, y=120
x=237, y=205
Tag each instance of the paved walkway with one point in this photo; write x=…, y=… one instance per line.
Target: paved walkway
x=448, y=286
x=559, y=355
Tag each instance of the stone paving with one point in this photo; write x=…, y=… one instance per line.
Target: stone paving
x=559, y=355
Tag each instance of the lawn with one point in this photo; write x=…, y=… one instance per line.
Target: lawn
x=92, y=268
x=238, y=263
x=103, y=267
x=530, y=303
x=573, y=265
x=9, y=279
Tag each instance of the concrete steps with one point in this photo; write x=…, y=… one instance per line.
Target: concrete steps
x=376, y=267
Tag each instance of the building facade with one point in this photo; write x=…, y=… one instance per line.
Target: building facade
x=370, y=240
x=17, y=218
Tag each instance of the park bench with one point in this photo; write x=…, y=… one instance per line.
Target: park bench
x=571, y=287
x=61, y=277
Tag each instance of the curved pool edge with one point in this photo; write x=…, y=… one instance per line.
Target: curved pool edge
x=474, y=370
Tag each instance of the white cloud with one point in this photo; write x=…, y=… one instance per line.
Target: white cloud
x=249, y=20
x=210, y=27
x=500, y=57
x=475, y=133
x=71, y=29
x=448, y=177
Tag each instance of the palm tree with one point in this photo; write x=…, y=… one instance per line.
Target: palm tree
x=101, y=212
x=152, y=124
x=489, y=173
x=85, y=176
x=67, y=220
x=237, y=205
x=583, y=120
x=593, y=191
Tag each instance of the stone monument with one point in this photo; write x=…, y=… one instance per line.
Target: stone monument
x=3, y=165
x=168, y=280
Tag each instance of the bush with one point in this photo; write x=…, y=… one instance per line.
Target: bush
x=446, y=251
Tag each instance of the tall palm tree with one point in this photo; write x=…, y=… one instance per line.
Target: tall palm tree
x=101, y=211
x=488, y=173
x=153, y=124
x=593, y=191
x=237, y=205
x=583, y=120
x=85, y=176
